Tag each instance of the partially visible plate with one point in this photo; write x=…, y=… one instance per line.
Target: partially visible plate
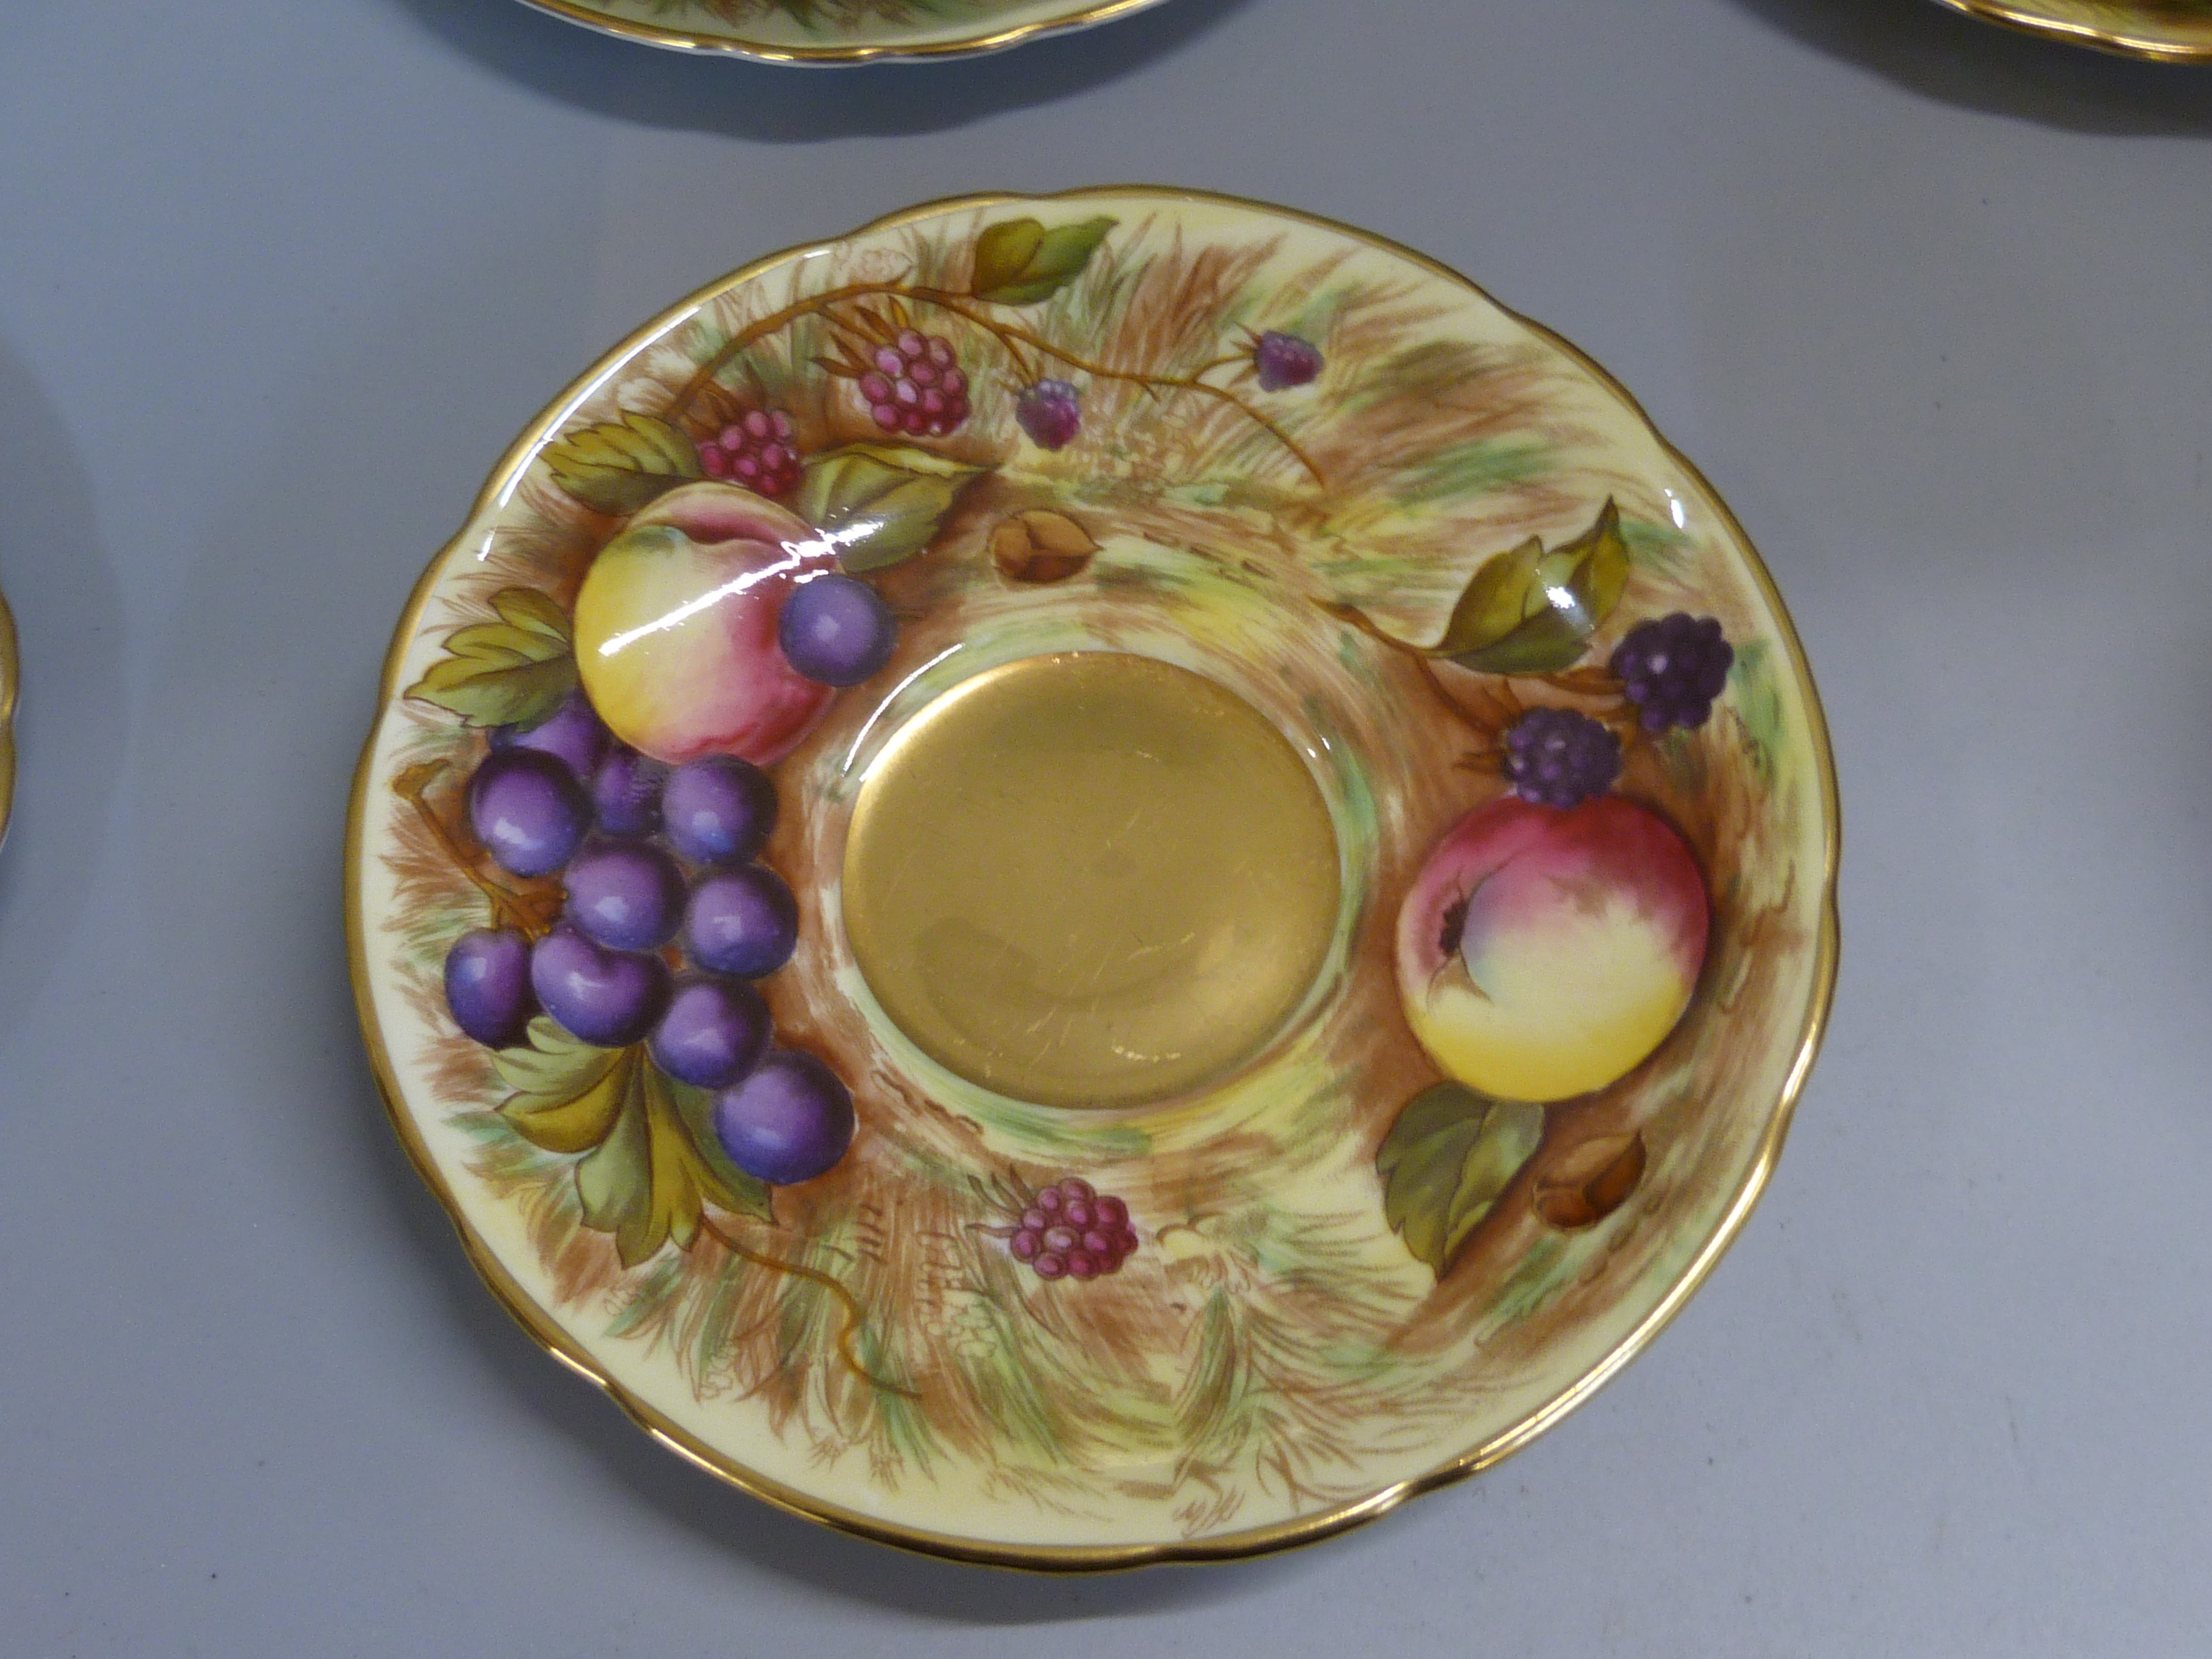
x=9, y=681
x=2166, y=31
x=835, y=31
x=1294, y=942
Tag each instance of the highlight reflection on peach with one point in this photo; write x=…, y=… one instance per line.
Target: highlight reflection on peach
x=676, y=628
x=1543, y=954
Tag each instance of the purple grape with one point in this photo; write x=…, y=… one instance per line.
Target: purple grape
x=1285, y=360
x=718, y=810
x=836, y=630
x=1559, y=758
x=788, y=1121
x=1051, y=412
x=625, y=895
x=607, y=997
x=714, y=1031
x=571, y=734
x=488, y=985
x=742, y=921
x=528, y=811
x=626, y=793
x=1671, y=668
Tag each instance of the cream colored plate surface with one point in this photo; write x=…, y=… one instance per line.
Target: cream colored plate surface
x=1498, y=1094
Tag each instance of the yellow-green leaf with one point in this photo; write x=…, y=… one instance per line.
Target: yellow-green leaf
x=1527, y=611
x=721, y=1182
x=657, y=1165
x=615, y=1182
x=1445, y=1163
x=618, y=467
x=671, y=1208
x=514, y=672
x=566, y=1094
x=880, y=503
x=1019, y=262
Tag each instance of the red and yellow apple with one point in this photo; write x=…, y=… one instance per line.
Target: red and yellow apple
x=1542, y=954
x=676, y=628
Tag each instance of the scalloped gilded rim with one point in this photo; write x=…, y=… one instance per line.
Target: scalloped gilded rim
x=1300, y=1528
x=2140, y=36
x=10, y=687
x=864, y=45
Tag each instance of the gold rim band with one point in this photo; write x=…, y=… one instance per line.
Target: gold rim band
x=2081, y=34
x=11, y=678
x=765, y=53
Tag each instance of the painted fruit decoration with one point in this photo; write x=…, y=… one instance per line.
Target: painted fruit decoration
x=1543, y=954
x=1555, y=935
x=620, y=803
x=676, y=628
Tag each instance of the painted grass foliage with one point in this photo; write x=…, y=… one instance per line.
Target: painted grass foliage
x=1273, y=1348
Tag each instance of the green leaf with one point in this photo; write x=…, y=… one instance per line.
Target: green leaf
x=617, y=468
x=515, y=671
x=1446, y=1160
x=1019, y=262
x=672, y=1204
x=615, y=1182
x=880, y=503
x=565, y=1094
x=1527, y=611
x=657, y=1165
x=722, y=1183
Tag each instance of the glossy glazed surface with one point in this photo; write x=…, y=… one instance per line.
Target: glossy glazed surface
x=2171, y=31
x=10, y=689
x=836, y=31
x=1089, y=878
x=1415, y=534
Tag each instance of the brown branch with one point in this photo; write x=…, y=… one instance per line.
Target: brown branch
x=1006, y=335
x=854, y=1314
x=508, y=909
x=1594, y=680
x=1352, y=616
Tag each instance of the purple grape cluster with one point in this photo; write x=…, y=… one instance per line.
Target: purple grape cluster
x=1051, y=412
x=916, y=387
x=667, y=919
x=1285, y=360
x=1069, y=1231
x=1557, y=757
x=755, y=451
x=1671, y=668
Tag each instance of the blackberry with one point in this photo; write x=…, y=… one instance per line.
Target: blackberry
x=1557, y=757
x=756, y=452
x=1285, y=360
x=916, y=387
x=1671, y=668
x=1049, y=413
x=1069, y=1231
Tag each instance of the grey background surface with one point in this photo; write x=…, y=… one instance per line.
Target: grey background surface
x=1928, y=302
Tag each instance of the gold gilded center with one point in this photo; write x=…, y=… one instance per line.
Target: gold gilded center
x=1090, y=879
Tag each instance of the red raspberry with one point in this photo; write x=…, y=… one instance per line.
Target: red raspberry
x=756, y=452
x=916, y=387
